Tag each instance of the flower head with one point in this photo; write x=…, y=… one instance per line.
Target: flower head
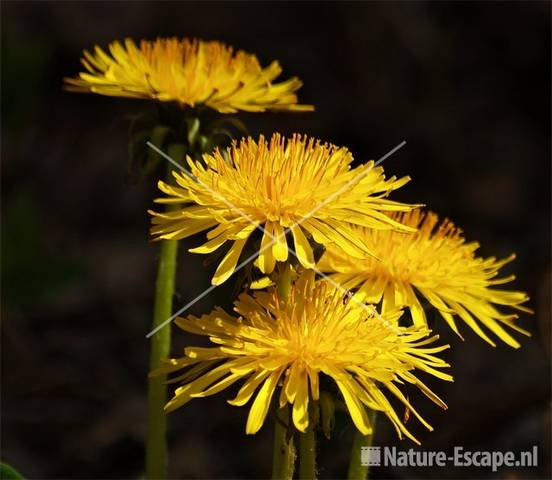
x=298, y=184
x=288, y=344
x=436, y=263
x=190, y=72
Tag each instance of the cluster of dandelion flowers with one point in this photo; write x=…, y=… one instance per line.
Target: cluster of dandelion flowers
x=190, y=72
x=287, y=344
x=298, y=184
x=437, y=263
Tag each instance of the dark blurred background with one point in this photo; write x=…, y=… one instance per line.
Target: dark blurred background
x=467, y=84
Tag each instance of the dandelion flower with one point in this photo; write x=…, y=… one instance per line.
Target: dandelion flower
x=190, y=72
x=288, y=344
x=437, y=263
x=298, y=184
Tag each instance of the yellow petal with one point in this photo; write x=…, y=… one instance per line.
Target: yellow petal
x=209, y=246
x=248, y=389
x=219, y=386
x=291, y=384
x=301, y=404
x=260, y=406
x=228, y=264
x=356, y=408
x=280, y=248
x=266, y=260
x=302, y=247
x=416, y=310
x=261, y=283
x=388, y=303
x=183, y=395
x=464, y=315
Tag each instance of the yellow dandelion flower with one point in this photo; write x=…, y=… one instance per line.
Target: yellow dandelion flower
x=190, y=72
x=289, y=343
x=437, y=263
x=298, y=184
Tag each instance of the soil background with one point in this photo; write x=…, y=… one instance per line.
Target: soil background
x=466, y=84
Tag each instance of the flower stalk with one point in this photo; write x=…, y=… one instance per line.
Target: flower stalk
x=185, y=77
x=283, y=458
x=160, y=345
x=307, y=454
x=357, y=471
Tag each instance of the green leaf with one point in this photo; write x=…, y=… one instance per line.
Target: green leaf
x=234, y=122
x=7, y=472
x=177, y=152
x=157, y=137
x=327, y=410
x=193, y=130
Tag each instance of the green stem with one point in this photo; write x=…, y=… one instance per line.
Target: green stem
x=283, y=457
x=357, y=471
x=307, y=454
x=156, y=446
x=156, y=442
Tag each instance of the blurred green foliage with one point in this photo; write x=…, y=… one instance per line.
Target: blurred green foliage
x=7, y=472
x=30, y=272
